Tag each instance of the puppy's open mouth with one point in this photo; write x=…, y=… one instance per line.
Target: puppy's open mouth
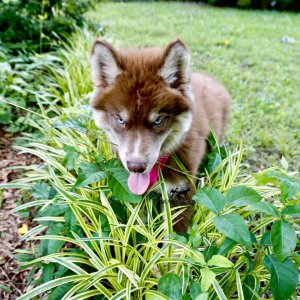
x=139, y=183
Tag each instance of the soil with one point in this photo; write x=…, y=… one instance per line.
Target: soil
x=12, y=281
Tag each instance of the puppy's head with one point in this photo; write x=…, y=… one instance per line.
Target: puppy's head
x=142, y=99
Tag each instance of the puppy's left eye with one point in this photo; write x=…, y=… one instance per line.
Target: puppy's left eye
x=120, y=121
x=157, y=122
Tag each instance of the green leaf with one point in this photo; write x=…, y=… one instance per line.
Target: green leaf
x=289, y=189
x=270, y=176
x=5, y=289
x=195, y=290
x=71, y=220
x=210, y=198
x=284, y=163
x=283, y=238
x=60, y=291
x=210, y=250
x=117, y=182
x=242, y=196
x=250, y=287
x=52, y=246
x=220, y=261
x=40, y=191
x=180, y=238
x=226, y=246
x=23, y=257
x=53, y=210
x=293, y=210
x=266, y=239
x=234, y=227
x=70, y=158
x=48, y=272
x=89, y=173
x=265, y=207
x=207, y=279
x=170, y=285
x=284, y=277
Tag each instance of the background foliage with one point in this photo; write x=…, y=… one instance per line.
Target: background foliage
x=258, y=4
x=34, y=25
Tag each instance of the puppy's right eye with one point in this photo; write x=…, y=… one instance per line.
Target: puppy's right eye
x=120, y=121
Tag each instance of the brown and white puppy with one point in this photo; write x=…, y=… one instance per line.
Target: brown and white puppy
x=150, y=105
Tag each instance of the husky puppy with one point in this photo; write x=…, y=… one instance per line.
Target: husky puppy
x=150, y=106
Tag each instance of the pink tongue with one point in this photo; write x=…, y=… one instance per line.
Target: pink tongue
x=138, y=183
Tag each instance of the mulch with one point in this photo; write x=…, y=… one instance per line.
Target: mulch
x=13, y=282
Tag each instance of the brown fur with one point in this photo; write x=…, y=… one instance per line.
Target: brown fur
x=139, y=88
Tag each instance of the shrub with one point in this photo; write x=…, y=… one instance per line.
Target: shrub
x=35, y=25
x=98, y=241
x=259, y=4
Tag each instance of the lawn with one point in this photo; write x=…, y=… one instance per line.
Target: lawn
x=254, y=53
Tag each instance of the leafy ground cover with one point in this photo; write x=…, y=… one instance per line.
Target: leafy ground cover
x=255, y=53
x=98, y=241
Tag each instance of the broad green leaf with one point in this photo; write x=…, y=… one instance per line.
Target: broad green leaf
x=265, y=207
x=284, y=277
x=53, y=210
x=23, y=257
x=293, y=210
x=195, y=290
x=40, y=191
x=270, y=176
x=117, y=182
x=89, y=172
x=220, y=261
x=210, y=250
x=52, y=246
x=266, y=239
x=233, y=226
x=250, y=287
x=70, y=158
x=289, y=189
x=170, y=285
x=242, y=196
x=226, y=246
x=60, y=291
x=180, y=238
x=48, y=272
x=210, y=198
x=283, y=238
x=207, y=278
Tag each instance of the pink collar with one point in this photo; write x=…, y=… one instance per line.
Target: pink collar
x=162, y=161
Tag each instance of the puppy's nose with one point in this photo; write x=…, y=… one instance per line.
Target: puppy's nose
x=136, y=166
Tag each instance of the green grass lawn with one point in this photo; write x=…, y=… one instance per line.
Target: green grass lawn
x=260, y=65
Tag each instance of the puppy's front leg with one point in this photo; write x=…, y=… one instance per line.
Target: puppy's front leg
x=180, y=198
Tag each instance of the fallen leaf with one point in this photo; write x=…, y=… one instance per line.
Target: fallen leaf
x=24, y=229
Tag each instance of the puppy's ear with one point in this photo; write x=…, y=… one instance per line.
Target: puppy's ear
x=104, y=64
x=176, y=62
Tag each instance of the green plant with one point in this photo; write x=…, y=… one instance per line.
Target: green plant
x=98, y=240
x=20, y=78
x=35, y=25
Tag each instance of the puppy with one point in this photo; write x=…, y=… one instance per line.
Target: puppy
x=150, y=106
